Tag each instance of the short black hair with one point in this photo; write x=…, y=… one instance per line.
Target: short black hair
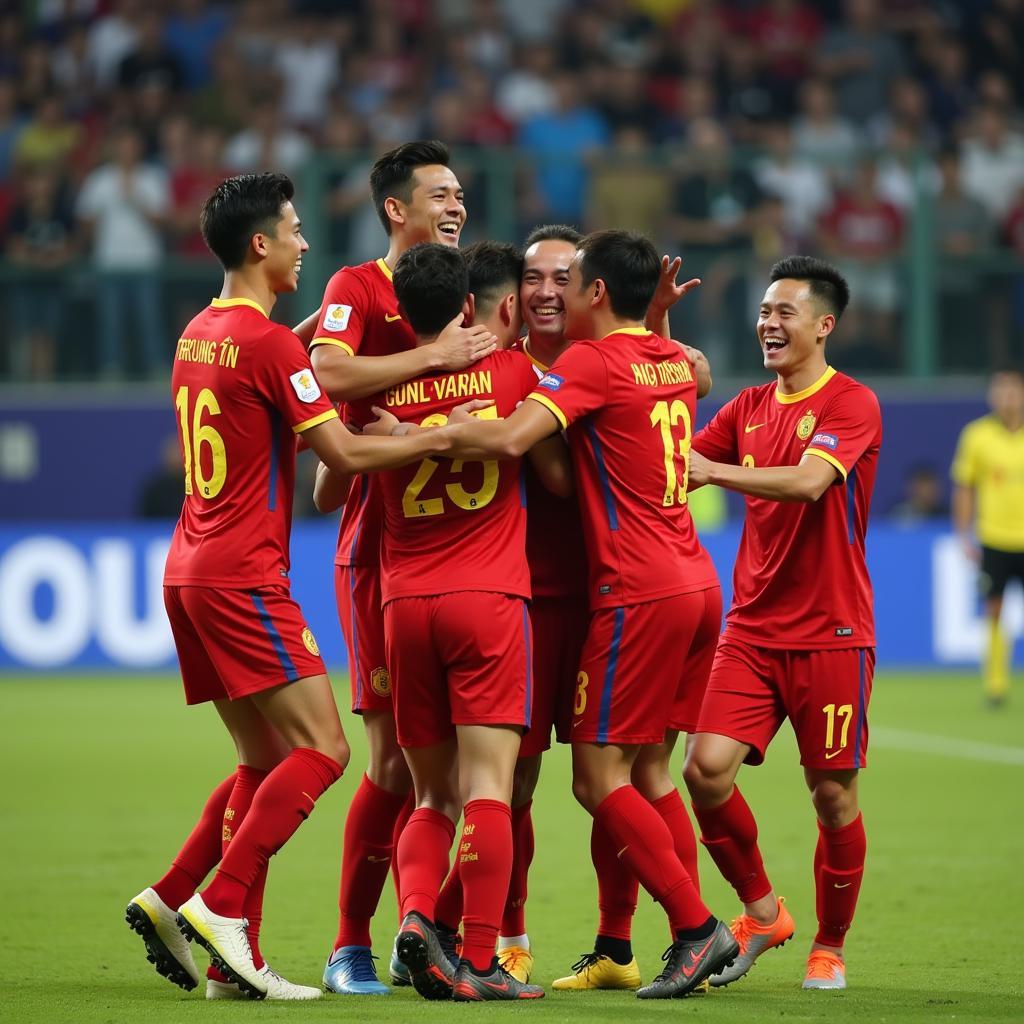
x=391, y=175
x=495, y=269
x=553, y=233
x=431, y=282
x=628, y=264
x=239, y=208
x=828, y=287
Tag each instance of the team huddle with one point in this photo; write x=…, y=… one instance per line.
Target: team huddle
x=516, y=555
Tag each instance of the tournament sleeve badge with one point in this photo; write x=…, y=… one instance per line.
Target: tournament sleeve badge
x=336, y=318
x=305, y=385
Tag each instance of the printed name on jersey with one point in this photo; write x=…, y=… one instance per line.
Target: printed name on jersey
x=336, y=318
x=551, y=381
x=305, y=385
x=828, y=440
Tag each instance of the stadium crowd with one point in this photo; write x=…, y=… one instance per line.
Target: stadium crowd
x=732, y=132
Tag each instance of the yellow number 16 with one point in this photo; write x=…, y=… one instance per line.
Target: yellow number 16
x=192, y=441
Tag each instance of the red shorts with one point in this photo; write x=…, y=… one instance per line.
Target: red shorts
x=559, y=629
x=824, y=694
x=645, y=667
x=458, y=659
x=233, y=643
x=357, y=590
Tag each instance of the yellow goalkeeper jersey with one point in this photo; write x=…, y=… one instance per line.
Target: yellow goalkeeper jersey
x=990, y=459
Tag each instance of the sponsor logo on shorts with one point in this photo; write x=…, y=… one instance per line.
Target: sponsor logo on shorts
x=305, y=385
x=551, y=381
x=310, y=641
x=805, y=427
x=828, y=440
x=380, y=682
x=336, y=318
x=844, y=631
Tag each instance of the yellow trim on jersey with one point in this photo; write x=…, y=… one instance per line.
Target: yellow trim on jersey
x=344, y=346
x=828, y=458
x=385, y=269
x=533, y=359
x=628, y=330
x=314, y=421
x=551, y=407
x=807, y=392
x=231, y=303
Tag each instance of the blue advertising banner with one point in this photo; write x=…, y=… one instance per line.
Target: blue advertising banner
x=89, y=597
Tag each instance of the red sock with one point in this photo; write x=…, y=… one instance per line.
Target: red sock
x=729, y=833
x=400, y=822
x=365, y=859
x=617, y=886
x=448, y=911
x=485, y=862
x=673, y=811
x=838, y=870
x=423, y=859
x=282, y=803
x=201, y=851
x=513, y=919
x=644, y=844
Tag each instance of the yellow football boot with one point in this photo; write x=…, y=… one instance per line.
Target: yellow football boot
x=593, y=970
x=517, y=961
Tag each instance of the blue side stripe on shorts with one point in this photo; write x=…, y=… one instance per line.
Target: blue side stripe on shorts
x=529, y=663
x=602, y=473
x=275, y=639
x=364, y=490
x=861, y=710
x=609, y=676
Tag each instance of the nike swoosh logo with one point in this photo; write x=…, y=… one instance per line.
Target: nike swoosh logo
x=750, y=428
x=376, y=860
x=835, y=753
x=845, y=885
x=695, y=958
x=503, y=987
x=623, y=850
x=392, y=319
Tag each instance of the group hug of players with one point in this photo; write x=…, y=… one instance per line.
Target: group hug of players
x=516, y=553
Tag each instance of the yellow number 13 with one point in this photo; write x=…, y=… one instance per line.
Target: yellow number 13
x=665, y=417
x=192, y=442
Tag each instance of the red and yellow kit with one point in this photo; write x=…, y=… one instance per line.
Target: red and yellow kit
x=628, y=402
x=243, y=388
x=359, y=315
x=801, y=583
x=559, y=614
x=453, y=528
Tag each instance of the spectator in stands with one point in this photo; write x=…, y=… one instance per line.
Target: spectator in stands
x=123, y=206
x=528, y=89
x=226, y=100
x=948, y=81
x=308, y=59
x=861, y=60
x=629, y=190
x=267, y=142
x=41, y=242
x=191, y=182
x=50, y=137
x=12, y=124
x=162, y=494
x=819, y=133
x=111, y=38
x=150, y=61
x=992, y=161
x=906, y=170
x=193, y=32
x=924, y=498
x=784, y=34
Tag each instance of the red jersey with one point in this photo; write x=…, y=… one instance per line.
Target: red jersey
x=801, y=580
x=451, y=525
x=629, y=401
x=360, y=315
x=554, y=533
x=243, y=388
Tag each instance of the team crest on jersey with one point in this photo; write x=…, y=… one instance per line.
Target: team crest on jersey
x=305, y=385
x=551, y=381
x=336, y=318
x=805, y=427
x=826, y=440
x=309, y=641
x=380, y=682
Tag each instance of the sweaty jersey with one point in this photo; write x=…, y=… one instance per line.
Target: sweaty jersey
x=360, y=315
x=452, y=525
x=242, y=388
x=629, y=401
x=990, y=459
x=554, y=533
x=801, y=579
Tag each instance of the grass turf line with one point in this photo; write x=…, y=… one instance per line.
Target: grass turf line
x=103, y=777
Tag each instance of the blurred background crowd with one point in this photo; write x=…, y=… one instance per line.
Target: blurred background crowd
x=885, y=136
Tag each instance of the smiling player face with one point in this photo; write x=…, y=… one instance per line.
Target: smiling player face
x=579, y=308
x=791, y=327
x=435, y=211
x=284, y=251
x=545, y=275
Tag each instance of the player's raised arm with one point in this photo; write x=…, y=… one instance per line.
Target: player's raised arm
x=330, y=489
x=344, y=453
x=503, y=439
x=807, y=481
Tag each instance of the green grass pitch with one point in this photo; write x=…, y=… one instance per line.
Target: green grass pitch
x=102, y=777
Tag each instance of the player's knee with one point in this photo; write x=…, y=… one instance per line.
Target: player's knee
x=336, y=747
x=388, y=769
x=706, y=782
x=834, y=803
x=583, y=791
x=652, y=780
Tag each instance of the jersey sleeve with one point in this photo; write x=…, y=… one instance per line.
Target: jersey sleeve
x=343, y=313
x=717, y=440
x=576, y=385
x=284, y=377
x=852, y=421
x=964, y=470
